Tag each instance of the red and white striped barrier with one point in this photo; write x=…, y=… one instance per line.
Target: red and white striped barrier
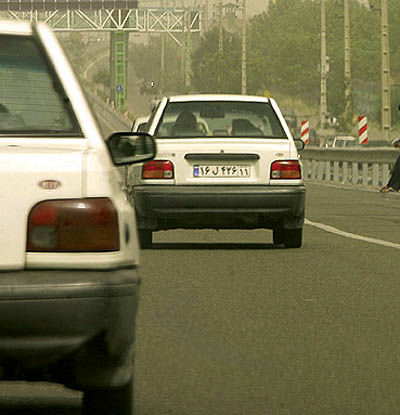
x=362, y=130
x=305, y=131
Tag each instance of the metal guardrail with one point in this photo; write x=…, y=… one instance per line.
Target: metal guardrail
x=366, y=167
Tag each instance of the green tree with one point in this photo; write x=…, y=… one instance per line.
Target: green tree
x=284, y=50
x=208, y=63
x=283, y=56
x=146, y=59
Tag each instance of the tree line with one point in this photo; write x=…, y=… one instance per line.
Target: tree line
x=283, y=56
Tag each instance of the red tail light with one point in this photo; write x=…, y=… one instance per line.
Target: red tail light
x=158, y=169
x=73, y=225
x=285, y=169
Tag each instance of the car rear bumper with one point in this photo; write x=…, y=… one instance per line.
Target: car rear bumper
x=166, y=207
x=47, y=316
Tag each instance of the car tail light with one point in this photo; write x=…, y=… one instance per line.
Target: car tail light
x=285, y=169
x=158, y=169
x=73, y=225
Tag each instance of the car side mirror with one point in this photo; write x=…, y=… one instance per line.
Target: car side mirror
x=129, y=148
x=299, y=144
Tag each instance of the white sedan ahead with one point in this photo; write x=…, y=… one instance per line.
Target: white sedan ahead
x=223, y=162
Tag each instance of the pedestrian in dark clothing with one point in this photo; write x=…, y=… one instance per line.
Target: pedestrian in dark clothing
x=394, y=182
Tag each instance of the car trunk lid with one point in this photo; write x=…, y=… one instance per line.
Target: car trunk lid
x=32, y=170
x=221, y=161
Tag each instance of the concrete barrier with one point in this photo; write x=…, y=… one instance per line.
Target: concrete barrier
x=111, y=117
x=366, y=167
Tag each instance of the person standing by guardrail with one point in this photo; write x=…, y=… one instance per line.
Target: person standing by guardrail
x=394, y=181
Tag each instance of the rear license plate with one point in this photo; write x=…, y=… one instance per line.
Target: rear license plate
x=221, y=171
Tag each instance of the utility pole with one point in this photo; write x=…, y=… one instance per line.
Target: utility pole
x=183, y=54
x=188, y=49
x=347, y=71
x=162, y=74
x=206, y=17
x=220, y=45
x=244, y=48
x=322, y=107
x=221, y=28
x=386, y=115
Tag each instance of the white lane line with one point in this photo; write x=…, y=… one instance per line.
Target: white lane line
x=331, y=229
x=85, y=74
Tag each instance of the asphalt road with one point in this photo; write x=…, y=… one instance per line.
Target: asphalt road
x=137, y=104
x=230, y=324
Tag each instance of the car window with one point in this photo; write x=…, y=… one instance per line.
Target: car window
x=32, y=100
x=142, y=127
x=219, y=118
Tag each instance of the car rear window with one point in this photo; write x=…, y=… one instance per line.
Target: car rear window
x=220, y=118
x=32, y=100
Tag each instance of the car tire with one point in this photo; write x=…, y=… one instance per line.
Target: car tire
x=278, y=235
x=293, y=238
x=145, y=238
x=110, y=401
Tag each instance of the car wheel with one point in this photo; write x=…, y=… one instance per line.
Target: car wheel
x=145, y=238
x=110, y=401
x=293, y=238
x=277, y=235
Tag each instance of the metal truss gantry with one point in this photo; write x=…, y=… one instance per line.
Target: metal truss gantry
x=145, y=20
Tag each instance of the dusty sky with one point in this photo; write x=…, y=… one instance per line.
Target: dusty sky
x=253, y=6
x=256, y=6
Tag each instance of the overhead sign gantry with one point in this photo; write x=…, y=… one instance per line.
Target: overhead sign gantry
x=104, y=15
x=52, y=5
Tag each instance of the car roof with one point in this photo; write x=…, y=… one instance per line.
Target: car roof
x=217, y=97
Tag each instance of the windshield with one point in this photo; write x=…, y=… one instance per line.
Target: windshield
x=32, y=101
x=218, y=119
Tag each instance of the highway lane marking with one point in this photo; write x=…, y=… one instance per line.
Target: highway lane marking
x=331, y=229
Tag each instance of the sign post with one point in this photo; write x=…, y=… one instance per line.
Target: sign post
x=362, y=130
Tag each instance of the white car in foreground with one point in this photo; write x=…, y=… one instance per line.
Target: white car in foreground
x=69, y=249
x=223, y=162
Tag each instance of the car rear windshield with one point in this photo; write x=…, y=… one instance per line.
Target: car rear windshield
x=32, y=100
x=220, y=118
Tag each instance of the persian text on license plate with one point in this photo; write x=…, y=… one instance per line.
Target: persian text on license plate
x=221, y=171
